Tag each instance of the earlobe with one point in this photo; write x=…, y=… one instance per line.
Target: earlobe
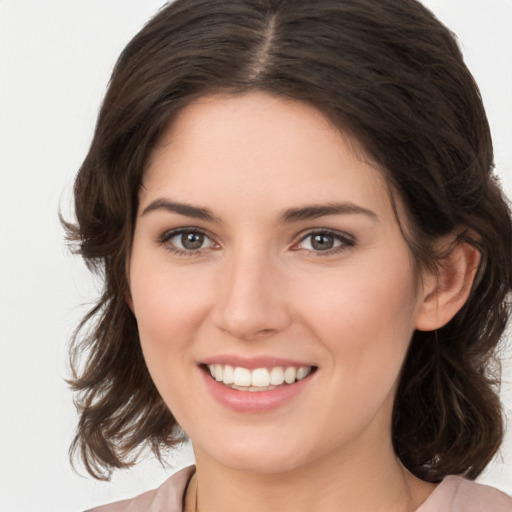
x=446, y=291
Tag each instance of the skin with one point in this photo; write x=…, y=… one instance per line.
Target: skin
x=257, y=286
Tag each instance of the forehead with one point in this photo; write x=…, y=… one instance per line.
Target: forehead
x=257, y=144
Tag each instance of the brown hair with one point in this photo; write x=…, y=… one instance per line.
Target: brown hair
x=388, y=73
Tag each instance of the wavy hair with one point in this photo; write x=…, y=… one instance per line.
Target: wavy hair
x=389, y=74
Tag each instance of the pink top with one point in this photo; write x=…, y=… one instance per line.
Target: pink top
x=453, y=494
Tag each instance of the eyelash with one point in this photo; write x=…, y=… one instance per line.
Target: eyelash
x=345, y=241
x=165, y=238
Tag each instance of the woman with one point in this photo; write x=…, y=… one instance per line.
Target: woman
x=306, y=260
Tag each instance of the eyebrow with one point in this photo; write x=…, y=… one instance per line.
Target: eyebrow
x=288, y=216
x=182, y=209
x=321, y=210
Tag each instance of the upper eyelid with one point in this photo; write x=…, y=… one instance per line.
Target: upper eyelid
x=164, y=240
x=170, y=233
x=346, y=242
x=325, y=231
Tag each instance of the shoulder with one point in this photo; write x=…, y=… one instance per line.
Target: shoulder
x=168, y=497
x=457, y=494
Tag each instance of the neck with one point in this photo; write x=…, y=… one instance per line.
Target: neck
x=339, y=482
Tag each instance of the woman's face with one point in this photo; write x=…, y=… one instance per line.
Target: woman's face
x=267, y=252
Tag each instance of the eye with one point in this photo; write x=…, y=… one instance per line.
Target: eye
x=186, y=241
x=325, y=241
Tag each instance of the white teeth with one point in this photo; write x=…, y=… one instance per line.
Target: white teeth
x=242, y=377
x=258, y=378
x=302, y=372
x=277, y=376
x=289, y=375
x=219, y=371
x=228, y=377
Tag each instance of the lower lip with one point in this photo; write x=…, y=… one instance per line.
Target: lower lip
x=254, y=401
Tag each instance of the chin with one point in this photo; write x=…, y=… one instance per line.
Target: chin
x=262, y=463
x=258, y=453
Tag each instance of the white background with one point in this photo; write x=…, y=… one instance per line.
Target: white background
x=55, y=60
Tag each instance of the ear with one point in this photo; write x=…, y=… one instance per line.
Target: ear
x=446, y=291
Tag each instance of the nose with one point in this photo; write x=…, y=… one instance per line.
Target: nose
x=250, y=303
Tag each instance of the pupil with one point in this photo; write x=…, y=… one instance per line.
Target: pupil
x=192, y=240
x=322, y=242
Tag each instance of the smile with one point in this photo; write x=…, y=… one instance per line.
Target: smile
x=258, y=379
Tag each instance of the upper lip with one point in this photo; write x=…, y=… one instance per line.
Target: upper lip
x=253, y=362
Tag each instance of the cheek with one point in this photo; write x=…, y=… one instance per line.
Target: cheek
x=365, y=322
x=365, y=316
x=169, y=306
x=166, y=301
x=169, y=309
